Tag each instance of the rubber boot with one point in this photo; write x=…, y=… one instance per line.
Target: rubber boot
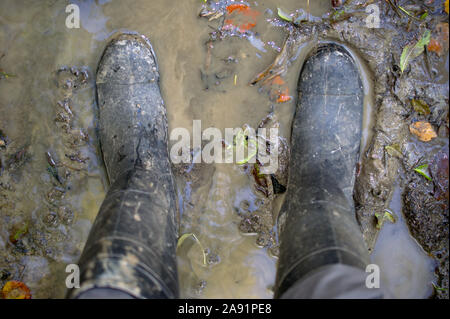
x=131, y=249
x=318, y=225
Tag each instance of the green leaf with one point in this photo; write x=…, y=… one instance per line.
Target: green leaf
x=185, y=236
x=386, y=215
x=423, y=170
x=407, y=12
x=438, y=288
x=21, y=231
x=6, y=75
x=283, y=15
x=424, y=16
x=412, y=51
x=420, y=107
x=390, y=216
x=243, y=140
x=394, y=150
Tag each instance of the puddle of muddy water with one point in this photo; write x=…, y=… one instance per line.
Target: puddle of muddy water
x=406, y=269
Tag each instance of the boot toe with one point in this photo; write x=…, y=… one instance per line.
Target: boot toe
x=128, y=59
x=330, y=71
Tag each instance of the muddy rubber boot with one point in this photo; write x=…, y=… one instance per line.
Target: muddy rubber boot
x=130, y=251
x=318, y=225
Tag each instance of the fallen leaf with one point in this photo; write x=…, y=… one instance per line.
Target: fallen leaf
x=394, y=150
x=247, y=20
x=423, y=130
x=446, y=6
x=420, y=107
x=386, y=215
x=15, y=290
x=283, y=15
x=284, y=96
x=278, y=80
x=18, y=232
x=434, y=285
x=240, y=7
x=423, y=170
x=412, y=51
x=185, y=236
x=6, y=75
x=435, y=46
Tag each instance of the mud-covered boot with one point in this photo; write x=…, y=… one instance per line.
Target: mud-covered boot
x=318, y=222
x=130, y=251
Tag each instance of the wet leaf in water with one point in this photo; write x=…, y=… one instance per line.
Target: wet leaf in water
x=18, y=232
x=386, y=215
x=278, y=80
x=5, y=75
x=15, y=290
x=423, y=130
x=412, y=51
x=246, y=19
x=420, y=107
x=394, y=150
x=249, y=145
x=283, y=15
x=423, y=170
x=186, y=236
x=284, y=96
x=240, y=7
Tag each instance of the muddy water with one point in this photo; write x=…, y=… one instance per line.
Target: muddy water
x=406, y=270
x=35, y=44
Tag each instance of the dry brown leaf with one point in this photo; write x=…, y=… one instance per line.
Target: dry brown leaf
x=423, y=130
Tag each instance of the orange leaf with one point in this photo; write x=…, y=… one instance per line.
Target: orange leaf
x=246, y=27
x=238, y=6
x=15, y=290
x=435, y=46
x=246, y=14
x=423, y=130
x=446, y=6
x=278, y=80
x=284, y=96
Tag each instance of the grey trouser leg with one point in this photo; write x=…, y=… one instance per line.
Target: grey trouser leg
x=336, y=281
